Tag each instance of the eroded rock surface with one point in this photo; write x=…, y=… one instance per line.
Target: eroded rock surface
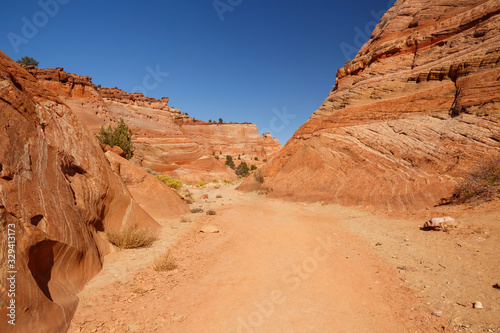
x=165, y=139
x=58, y=193
x=156, y=198
x=412, y=112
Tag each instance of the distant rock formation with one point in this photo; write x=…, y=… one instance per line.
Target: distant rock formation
x=58, y=194
x=407, y=117
x=233, y=139
x=137, y=99
x=165, y=139
x=65, y=84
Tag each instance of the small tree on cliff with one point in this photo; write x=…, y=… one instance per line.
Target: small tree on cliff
x=120, y=136
x=221, y=121
x=28, y=61
x=230, y=162
x=242, y=169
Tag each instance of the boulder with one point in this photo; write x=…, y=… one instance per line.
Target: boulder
x=155, y=197
x=437, y=222
x=209, y=229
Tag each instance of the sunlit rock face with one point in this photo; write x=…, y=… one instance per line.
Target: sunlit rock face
x=165, y=139
x=58, y=194
x=412, y=112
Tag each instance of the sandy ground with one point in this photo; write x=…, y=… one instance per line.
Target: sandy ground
x=277, y=266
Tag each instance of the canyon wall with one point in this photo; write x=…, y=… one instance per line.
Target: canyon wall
x=165, y=139
x=58, y=194
x=408, y=116
x=233, y=139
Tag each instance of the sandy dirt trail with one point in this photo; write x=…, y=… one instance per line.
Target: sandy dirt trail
x=273, y=267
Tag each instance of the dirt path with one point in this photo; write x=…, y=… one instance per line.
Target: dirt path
x=273, y=267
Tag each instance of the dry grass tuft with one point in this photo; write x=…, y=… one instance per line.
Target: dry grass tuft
x=130, y=238
x=259, y=176
x=164, y=262
x=481, y=184
x=211, y=212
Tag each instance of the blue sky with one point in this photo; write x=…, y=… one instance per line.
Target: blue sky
x=267, y=62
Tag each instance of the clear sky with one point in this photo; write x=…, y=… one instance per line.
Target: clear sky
x=267, y=62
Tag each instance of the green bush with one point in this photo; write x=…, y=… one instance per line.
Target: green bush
x=28, y=61
x=230, y=162
x=253, y=167
x=120, y=136
x=481, y=184
x=173, y=182
x=242, y=169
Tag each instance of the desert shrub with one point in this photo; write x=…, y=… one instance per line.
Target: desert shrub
x=230, y=162
x=189, y=201
x=215, y=181
x=185, y=219
x=130, y=237
x=227, y=182
x=196, y=210
x=258, y=176
x=221, y=121
x=120, y=136
x=218, y=196
x=253, y=167
x=347, y=62
x=201, y=184
x=151, y=172
x=164, y=262
x=264, y=160
x=481, y=184
x=173, y=182
x=210, y=212
x=28, y=61
x=216, y=157
x=242, y=169
x=256, y=158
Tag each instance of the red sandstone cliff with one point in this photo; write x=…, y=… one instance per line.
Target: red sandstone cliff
x=412, y=112
x=58, y=194
x=165, y=140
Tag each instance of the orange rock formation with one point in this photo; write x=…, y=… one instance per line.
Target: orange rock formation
x=58, y=194
x=165, y=140
x=411, y=113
